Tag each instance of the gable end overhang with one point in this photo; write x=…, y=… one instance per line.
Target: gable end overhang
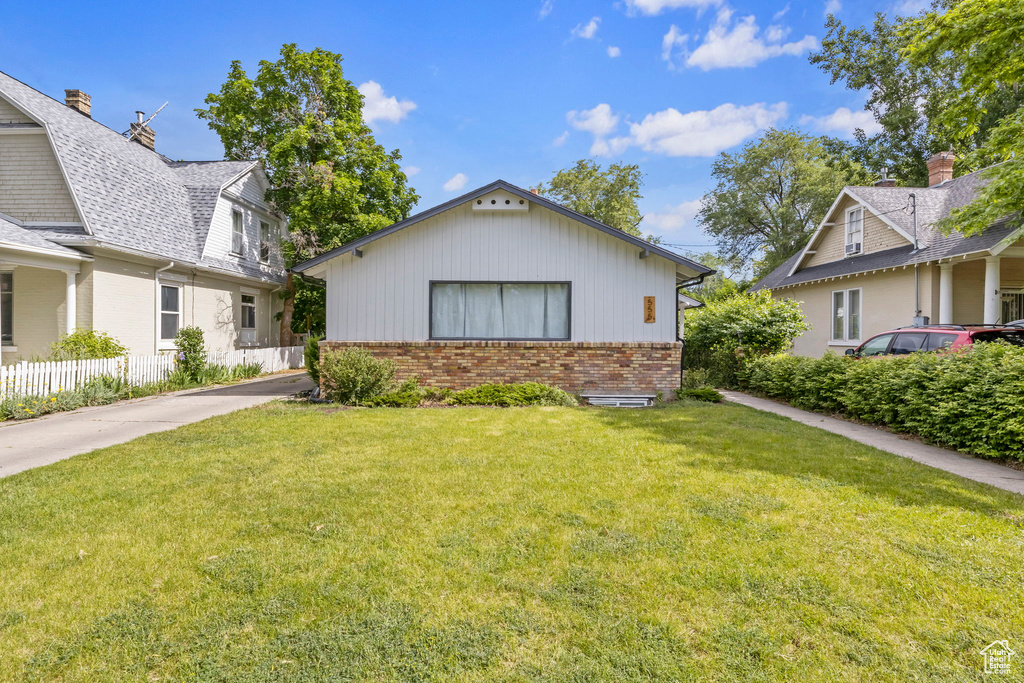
x=696, y=268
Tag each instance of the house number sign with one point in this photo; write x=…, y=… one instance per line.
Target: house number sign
x=648, y=309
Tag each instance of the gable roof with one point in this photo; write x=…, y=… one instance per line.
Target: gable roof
x=697, y=268
x=127, y=195
x=888, y=204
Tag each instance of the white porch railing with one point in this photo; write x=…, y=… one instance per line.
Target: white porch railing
x=43, y=379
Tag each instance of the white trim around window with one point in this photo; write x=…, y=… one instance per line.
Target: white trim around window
x=854, y=231
x=169, y=309
x=237, y=232
x=845, y=306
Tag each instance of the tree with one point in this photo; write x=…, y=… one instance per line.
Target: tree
x=609, y=196
x=984, y=38
x=771, y=196
x=303, y=120
x=906, y=96
x=729, y=278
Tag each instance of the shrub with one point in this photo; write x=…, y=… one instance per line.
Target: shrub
x=700, y=394
x=86, y=344
x=970, y=400
x=755, y=323
x=696, y=378
x=311, y=357
x=247, y=370
x=505, y=395
x=354, y=376
x=396, y=399
x=191, y=352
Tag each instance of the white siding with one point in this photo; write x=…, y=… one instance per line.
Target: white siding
x=32, y=187
x=218, y=241
x=11, y=114
x=384, y=296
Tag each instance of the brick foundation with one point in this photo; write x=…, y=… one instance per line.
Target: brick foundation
x=578, y=367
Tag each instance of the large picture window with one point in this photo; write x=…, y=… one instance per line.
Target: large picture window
x=499, y=310
x=846, y=315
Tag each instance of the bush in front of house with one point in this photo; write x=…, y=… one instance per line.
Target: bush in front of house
x=311, y=357
x=353, y=376
x=507, y=395
x=191, y=355
x=971, y=400
x=754, y=323
x=86, y=345
x=699, y=394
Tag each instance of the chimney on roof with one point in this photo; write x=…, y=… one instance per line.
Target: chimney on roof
x=535, y=191
x=940, y=168
x=79, y=101
x=142, y=133
x=886, y=181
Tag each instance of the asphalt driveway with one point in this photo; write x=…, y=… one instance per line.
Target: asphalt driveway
x=33, y=443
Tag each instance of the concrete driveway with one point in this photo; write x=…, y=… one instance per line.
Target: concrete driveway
x=33, y=443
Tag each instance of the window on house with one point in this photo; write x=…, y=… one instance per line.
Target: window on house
x=170, y=311
x=854, y=230
x=499, y=310
x=265, y=237
x=248, y=312
x=846, y=315
x=237, y=233
x=7, y=309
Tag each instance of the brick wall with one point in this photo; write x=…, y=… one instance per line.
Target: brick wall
x=599, y=367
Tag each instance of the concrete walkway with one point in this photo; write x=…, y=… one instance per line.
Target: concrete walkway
x=33, y=443
x=970, y=468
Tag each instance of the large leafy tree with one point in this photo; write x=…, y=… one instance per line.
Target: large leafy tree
x=771, y=195
x=607, y=195
x=303, y=120
x=907, y=96
x=984, y=38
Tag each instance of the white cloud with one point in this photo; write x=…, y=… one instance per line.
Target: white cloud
x=740, y=45
x=588, y=30
x=699, y=133
x=833, y=6
x=785, y=10
x=410, y=171
x=654, y=7
x=674, y=38
x=844, y=121
x=378, y=107
x=456, y=182
x=560, y=140
x=672, y=218
x=545, y=8
x=909, y=7
x=599, y=122
x=613, y=51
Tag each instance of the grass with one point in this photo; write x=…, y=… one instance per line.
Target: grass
x=695, y=542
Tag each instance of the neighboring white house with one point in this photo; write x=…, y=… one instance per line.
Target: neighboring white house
x=98, y=230
x=503, y=285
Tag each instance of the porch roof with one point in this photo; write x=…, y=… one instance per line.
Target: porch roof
x=19, y=238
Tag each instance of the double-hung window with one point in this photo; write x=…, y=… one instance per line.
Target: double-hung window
x=237, y=232
x=846, y=316
x=264, y=241
x=6, y=308
x=855, y=231
x=170, y=312
x=499, y=310
x=248, y=319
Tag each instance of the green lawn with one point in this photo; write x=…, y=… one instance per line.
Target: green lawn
x=693, y=542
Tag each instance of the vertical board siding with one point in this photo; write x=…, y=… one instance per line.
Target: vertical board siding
x=385, y=295
x=46, y=379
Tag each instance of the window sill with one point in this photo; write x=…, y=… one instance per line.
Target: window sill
x=9, y=349
x=852, y=342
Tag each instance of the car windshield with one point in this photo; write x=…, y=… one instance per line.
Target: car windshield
x=1015, y=337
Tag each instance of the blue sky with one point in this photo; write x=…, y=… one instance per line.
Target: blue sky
x=474, y=91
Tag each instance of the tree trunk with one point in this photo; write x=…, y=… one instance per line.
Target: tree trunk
x=287, y=336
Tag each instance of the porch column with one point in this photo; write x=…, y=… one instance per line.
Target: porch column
x=992, y=306
x=70, y=301
x=945, y=293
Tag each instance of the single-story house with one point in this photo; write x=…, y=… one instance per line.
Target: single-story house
x=861, y=274
x=503, y=285
x=100, y=231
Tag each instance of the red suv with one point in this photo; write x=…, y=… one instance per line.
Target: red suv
x=935, y=338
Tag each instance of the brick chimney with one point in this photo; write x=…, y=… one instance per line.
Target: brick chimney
x=940, y=168
x=142, y=133
x=79, y=101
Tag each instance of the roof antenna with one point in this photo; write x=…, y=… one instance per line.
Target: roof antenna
x=152, y=116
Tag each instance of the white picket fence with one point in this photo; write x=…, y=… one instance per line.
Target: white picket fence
x=43, y=379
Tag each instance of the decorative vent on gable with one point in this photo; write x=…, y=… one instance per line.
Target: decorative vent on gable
x=500, y=201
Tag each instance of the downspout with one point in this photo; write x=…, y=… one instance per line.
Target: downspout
x=156, y=298
x=682, y=351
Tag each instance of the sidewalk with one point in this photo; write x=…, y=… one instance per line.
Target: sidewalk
x=940, y=458
x=34, y=443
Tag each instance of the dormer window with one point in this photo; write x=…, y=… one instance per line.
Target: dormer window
x=855, y=231
x=237, y=233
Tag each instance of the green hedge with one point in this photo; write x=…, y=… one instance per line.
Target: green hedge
x=972, y=400
x=506, y=395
